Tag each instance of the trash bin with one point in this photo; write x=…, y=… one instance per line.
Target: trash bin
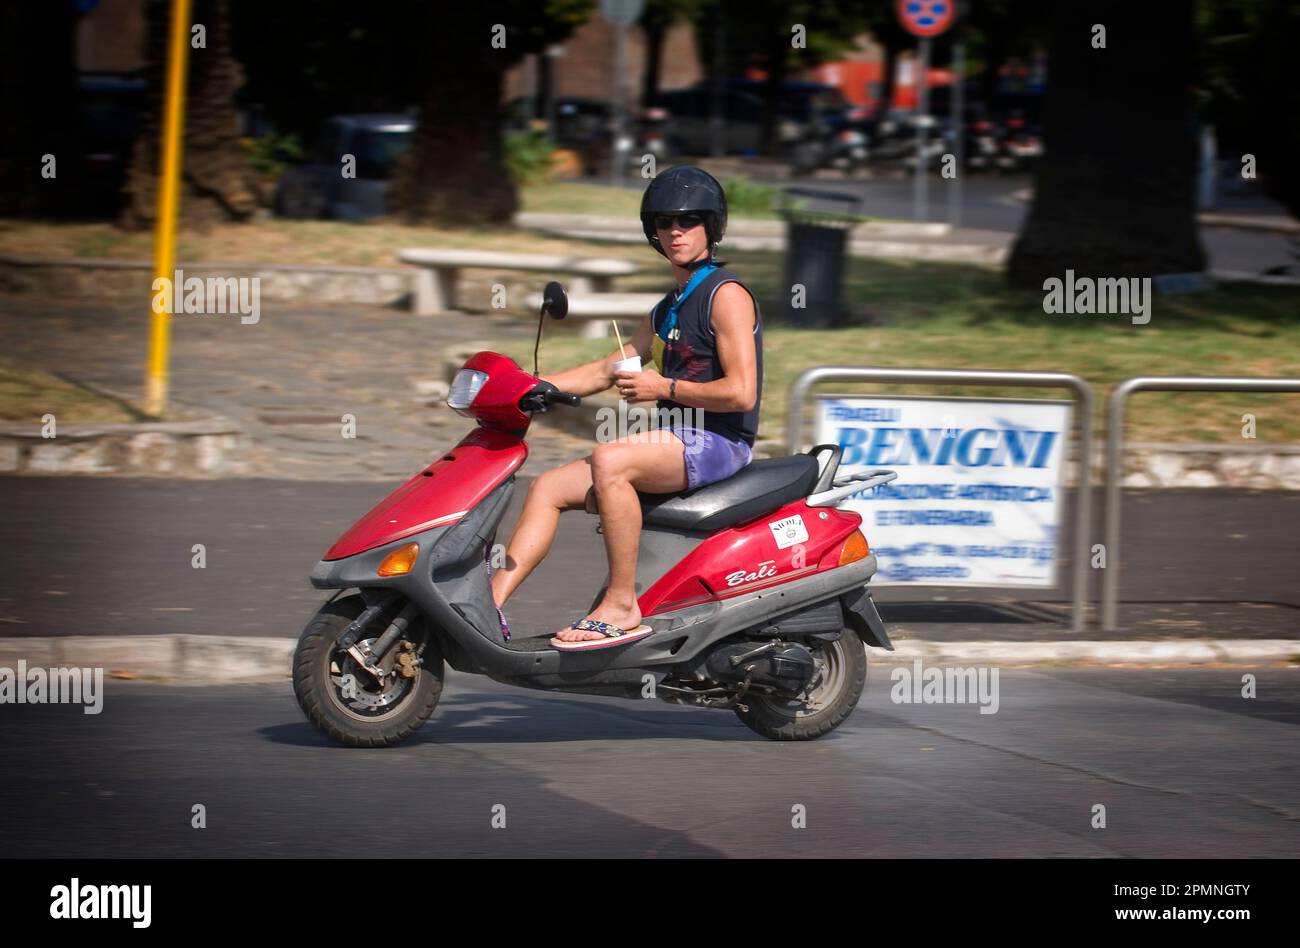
x=817, y=232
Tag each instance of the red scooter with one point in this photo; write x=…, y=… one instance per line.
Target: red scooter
x=755, y=587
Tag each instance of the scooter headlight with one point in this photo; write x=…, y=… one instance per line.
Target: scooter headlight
x=465, y=388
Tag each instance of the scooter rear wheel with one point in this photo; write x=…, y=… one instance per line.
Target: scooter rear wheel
x=829, y=699
x=345, y=702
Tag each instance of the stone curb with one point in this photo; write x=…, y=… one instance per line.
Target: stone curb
x=219, y=659
x=283, y=282
x=207, y=447
x=1245, y=276
x=1269, y=222
x=1097, y=652
x=181, y=658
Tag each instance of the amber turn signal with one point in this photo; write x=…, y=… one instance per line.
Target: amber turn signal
x=399, y=562
x=855, y=548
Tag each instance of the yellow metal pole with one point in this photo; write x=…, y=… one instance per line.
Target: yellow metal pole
x=169, y=178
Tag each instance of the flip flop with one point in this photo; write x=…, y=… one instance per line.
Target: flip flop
x=613, y=635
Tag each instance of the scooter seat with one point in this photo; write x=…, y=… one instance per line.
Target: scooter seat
x=757, y=488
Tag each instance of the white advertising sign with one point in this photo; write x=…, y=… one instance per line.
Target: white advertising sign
x=978, y=498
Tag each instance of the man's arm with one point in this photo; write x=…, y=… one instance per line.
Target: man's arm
x=593, y=377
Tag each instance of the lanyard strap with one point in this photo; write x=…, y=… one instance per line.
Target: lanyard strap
x=696, y=279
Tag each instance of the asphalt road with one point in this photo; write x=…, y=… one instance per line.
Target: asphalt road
x=101, y=556
x=1183, y=765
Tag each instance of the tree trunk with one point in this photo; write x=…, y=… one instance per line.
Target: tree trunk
x=455, y=173
x=1114, y=191
x=39, y=112
x=1275, y=139
x=217, y=183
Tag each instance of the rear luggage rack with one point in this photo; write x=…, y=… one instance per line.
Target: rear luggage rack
x=842, y=487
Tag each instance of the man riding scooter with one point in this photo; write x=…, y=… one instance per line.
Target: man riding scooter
x=706, y=342
x=754, y=584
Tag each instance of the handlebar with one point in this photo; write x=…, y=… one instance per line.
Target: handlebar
x=543, y=395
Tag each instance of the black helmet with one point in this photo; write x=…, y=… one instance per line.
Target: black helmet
x=681, y=189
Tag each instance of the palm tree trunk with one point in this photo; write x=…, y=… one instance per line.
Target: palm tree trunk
x=217, y=183
x=455, y=172
x=39, y=112
x=1114, y=191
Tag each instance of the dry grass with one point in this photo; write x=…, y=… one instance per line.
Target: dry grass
x=28, y=394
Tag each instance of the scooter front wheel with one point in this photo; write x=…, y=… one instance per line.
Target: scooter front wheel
x=348, y=703
x=830, y=697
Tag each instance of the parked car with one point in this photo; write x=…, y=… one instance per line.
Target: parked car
x=585, y=126
x=689, y=127
x=799, y=104
x=803, y=109
x=317, y=188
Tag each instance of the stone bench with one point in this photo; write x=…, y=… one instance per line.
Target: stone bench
x=594, y=311
x=435, y=285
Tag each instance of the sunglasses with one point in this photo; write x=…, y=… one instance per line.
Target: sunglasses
x=684, y=221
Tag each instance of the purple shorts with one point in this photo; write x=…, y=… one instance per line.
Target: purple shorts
x=709, y=456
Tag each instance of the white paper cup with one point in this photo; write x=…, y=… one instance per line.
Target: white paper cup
x=630, y=364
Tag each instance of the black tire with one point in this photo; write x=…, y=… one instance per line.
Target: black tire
x=778, y=721
x=320, y=699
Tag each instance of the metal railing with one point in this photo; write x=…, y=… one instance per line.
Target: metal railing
x=1115, y=456
x=1083, y=420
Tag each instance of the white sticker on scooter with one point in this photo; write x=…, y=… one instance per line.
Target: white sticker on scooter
x=789, y=531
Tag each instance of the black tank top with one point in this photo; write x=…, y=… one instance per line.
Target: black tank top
x=692, y=354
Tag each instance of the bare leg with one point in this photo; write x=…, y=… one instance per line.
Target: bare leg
x=562, y=488
x=652, y=462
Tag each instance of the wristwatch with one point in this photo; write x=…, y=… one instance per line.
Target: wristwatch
x=672, y=390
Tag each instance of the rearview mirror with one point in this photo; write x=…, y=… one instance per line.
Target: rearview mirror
x=554, y=301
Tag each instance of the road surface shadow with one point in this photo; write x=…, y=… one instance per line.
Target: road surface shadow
x=482, y=718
